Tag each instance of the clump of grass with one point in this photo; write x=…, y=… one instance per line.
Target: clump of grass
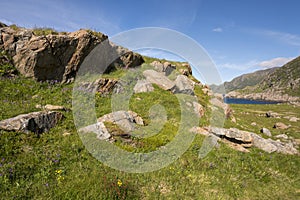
x=44, y=31
x=97, y=34
x=7, y=68
x=14, y=27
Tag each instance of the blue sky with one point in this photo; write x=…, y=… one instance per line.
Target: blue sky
x=240, y=36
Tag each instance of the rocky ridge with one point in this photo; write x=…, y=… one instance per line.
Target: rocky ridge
x=243, y=81
x=57, y=56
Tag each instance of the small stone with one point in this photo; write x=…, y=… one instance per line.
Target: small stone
x=280, y=125
x=294, y=119
x=266, y=131
x=54, y=107
x=268, y=114
x=38, y=106
x=198, y=109
x=66, y=134
x=35, y=96
x=253, y=124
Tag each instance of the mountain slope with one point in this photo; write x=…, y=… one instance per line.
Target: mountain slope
x=280, y=85
x=244, y=80
x=285, y=80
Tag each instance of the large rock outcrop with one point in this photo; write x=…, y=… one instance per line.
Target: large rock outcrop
x=37, y=122
x=242, y=140
x=57, y=56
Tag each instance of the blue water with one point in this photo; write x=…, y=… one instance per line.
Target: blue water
x=247, y=101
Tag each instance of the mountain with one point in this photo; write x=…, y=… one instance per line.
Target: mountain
x=281, y=84
x=285, y=80
x=243, y=81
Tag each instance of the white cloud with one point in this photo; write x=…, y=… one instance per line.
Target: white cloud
x=218, y=29
x=60, y=15
x=275, y=62
x=287, y=38
x=240, y=66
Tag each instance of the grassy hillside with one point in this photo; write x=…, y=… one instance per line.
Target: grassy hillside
x=56, y=165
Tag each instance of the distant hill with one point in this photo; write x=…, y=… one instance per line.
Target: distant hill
x=285, y=79
x=281, y=84
x=244, y=80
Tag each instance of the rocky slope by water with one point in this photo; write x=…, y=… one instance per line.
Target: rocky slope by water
x=276, y=84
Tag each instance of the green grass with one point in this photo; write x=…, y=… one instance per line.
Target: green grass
x=54, y=166
x=246, y=114
x=44, y=31
x=14, y=27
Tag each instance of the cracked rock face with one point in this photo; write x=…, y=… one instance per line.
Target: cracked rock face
x=57, y=57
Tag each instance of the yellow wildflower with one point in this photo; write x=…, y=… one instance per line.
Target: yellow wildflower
x=119, y=183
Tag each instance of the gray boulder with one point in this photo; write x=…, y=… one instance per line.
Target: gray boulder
x=143, y=86
x=248, y=139
x=242, y=137
x=159, y=79
x=184, y=85
x=98, y=128
x=37, y=122
x=126, y=120
x=165, y=67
